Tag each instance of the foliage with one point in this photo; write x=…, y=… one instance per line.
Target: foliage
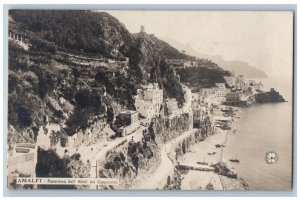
x=201, y=77
x=81, y=31
x=167, y=51
x=84, y=98
x=54, y=137
x=42, y=45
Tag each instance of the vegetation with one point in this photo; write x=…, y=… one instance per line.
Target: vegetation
x=201, y=77
x=51, y=165
x=167, y=51
x=80, y=31
x=41, y=74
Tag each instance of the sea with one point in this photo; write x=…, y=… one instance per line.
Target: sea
x=263, y=128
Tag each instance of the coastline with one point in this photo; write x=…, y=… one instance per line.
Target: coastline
x=207, y=152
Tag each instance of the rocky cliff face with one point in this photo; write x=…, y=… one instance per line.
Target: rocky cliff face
x=130, y=162
x=149, y=65
x=45, y=82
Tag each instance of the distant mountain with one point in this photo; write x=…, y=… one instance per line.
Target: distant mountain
x=239, y=67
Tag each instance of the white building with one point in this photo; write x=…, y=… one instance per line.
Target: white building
x=258, y=86
x=205, y=92
x=187, y=106
x=220, y=85
x=196, y=101
x=220, y=91
x=172, y=107
x=148, y=100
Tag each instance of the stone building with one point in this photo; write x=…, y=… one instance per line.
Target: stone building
x=148, y=100
x=129, y=116
x=172, y=107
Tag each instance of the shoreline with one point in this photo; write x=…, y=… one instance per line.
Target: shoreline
x=206, y=152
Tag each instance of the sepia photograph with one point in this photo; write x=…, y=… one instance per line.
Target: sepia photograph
x=150, y=100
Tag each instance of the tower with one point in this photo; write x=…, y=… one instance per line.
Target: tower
x=142, y=29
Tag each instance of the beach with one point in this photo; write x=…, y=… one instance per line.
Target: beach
x=207, y=154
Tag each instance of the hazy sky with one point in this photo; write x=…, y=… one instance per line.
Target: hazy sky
x=263, y=39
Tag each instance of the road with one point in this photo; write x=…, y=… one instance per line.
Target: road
x=158, y=179
x=100, y=155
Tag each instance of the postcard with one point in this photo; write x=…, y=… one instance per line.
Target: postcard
x=150, y=100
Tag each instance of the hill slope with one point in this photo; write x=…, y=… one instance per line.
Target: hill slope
x=46, y=77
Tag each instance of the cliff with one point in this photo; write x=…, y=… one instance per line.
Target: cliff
x=50, y=79
x=131, y=162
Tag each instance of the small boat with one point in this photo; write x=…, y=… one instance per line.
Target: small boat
x=219, y=145
x=202, y=163
x=226, y=109
x=225, y=127
x=234, y=160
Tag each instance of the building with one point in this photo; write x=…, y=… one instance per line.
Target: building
x=128, y=117
x=197, y=99
x=220, y=92
x=22, y=159
x=64, y=138
x=220, y=85
x=251, y=82
x=19, y=38
x=234, y=99
x=187, y=64
x=187, y=97
x=205, y=92
x=199, y=116
x=196, y=118
x=148, y=100
x=258, y=86
x=233, y=96
x=126, y=122
x=172, y=107
x=240, y=84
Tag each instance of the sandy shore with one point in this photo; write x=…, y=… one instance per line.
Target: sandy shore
x=207, y=152
x=195, y=180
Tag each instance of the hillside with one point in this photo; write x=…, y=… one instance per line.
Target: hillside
x=43, y=81
x=166, y=50
x=75, y=30
x=201, y=77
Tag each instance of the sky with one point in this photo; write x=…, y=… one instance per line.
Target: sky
x=263, y=39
